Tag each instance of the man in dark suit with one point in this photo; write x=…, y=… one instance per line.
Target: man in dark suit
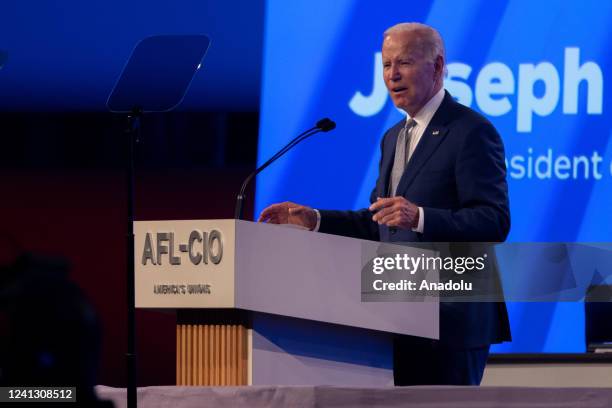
x=442, y=178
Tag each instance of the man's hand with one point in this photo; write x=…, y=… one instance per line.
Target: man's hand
x=289, y=213
x=395, y=212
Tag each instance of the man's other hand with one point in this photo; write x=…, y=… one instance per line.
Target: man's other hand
x=395, y=212
x=289, y=213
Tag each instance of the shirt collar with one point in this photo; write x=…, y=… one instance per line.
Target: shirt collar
x=423, y=117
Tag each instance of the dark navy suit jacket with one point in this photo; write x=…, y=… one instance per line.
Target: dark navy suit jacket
x=457, y=175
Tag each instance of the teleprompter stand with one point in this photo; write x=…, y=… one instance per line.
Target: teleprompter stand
x=155, y=79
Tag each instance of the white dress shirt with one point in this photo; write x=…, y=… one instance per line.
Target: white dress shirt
x=422, y=119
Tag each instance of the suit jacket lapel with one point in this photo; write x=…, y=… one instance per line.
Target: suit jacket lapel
x=434, y=134
x=387, y=160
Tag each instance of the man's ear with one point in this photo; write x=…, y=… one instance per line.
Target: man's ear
x=439, y=66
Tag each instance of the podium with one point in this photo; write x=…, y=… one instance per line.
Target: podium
x=268, y=304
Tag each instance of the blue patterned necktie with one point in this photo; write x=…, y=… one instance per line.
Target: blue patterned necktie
x=402, y=155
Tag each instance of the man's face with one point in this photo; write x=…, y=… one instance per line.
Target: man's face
x=409, y=75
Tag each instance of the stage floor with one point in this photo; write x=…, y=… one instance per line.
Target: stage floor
x=324, y=396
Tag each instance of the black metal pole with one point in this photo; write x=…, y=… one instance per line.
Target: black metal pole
x=133, y=132
x=240, y=199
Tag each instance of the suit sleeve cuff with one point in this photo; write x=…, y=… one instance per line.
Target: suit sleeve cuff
x=419, y=227
x=318, y=224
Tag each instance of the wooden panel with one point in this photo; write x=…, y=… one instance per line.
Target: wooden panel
x=211, y=354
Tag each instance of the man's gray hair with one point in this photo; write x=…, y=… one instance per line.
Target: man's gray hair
x=431, y=40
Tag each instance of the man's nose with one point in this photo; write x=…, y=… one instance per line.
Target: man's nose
x=394, y=73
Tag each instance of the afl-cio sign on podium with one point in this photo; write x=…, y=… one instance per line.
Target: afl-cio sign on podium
x=184, y=263
x=198, y=248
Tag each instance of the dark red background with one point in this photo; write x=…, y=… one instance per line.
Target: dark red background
x=78, y=211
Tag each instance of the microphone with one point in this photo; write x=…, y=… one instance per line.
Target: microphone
x=324, y=125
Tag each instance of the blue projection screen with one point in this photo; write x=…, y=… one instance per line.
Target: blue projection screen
x=537, y=70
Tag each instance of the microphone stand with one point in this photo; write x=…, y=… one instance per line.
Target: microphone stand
x=238, y=213
x=324, y=125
